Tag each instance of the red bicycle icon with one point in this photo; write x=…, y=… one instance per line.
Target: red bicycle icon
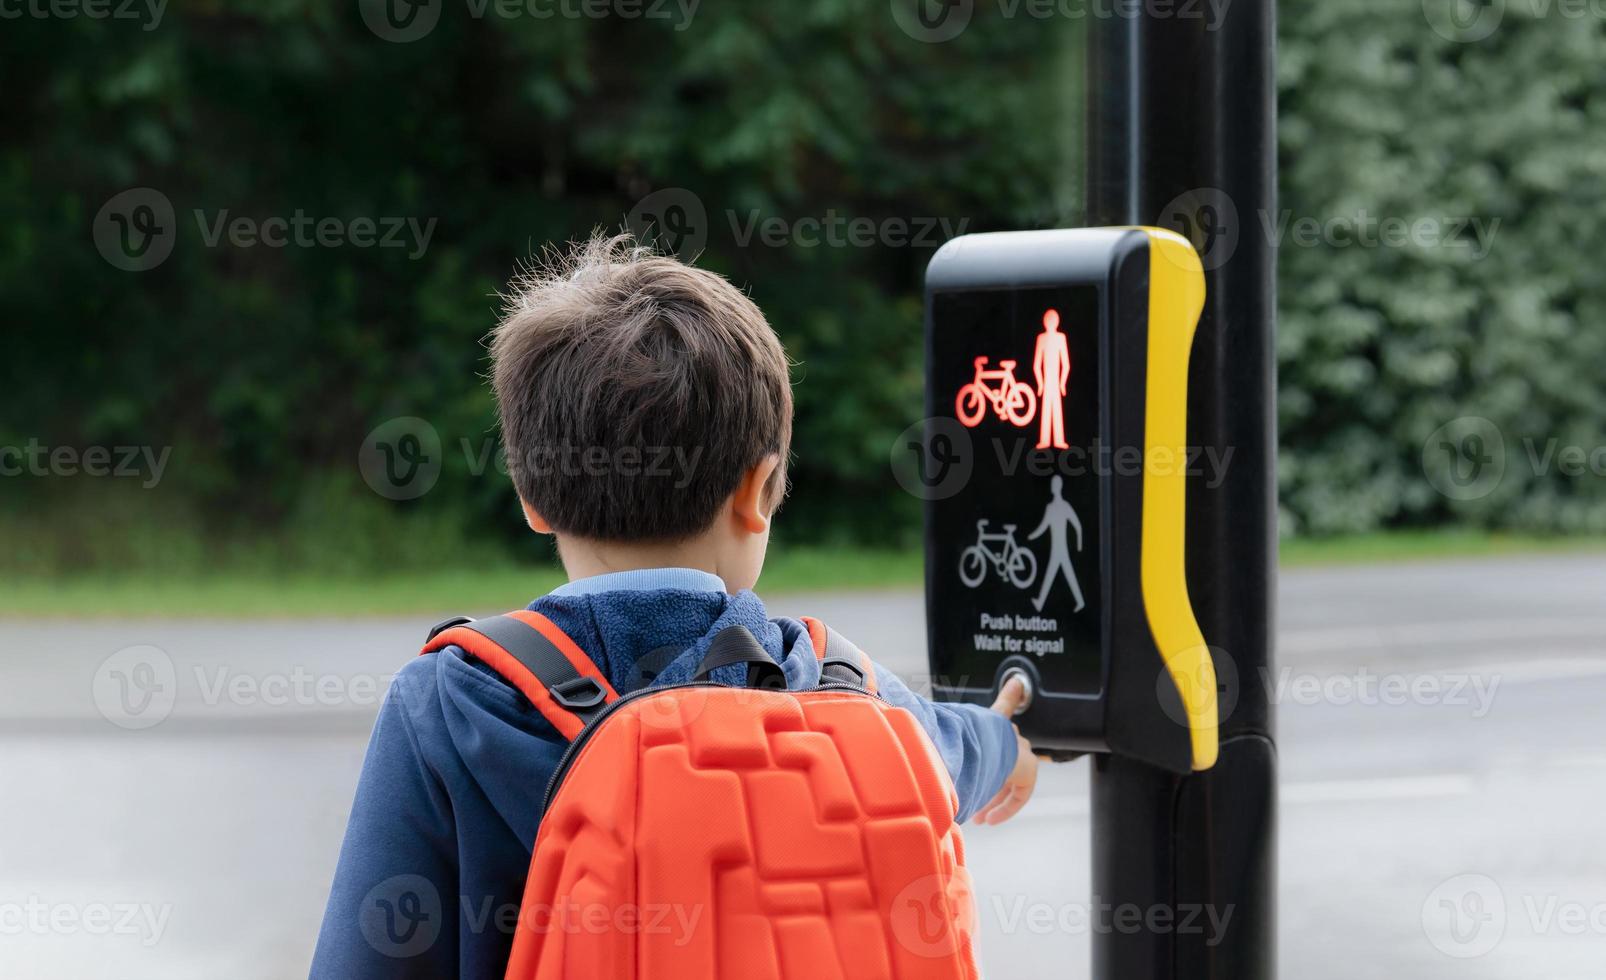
x=1012, y=400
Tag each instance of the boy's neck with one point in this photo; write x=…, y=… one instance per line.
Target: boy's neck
x=583, y=559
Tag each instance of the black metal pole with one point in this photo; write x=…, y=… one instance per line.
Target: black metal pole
x=1182, y=133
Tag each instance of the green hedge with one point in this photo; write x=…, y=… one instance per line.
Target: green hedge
x=1503, y=319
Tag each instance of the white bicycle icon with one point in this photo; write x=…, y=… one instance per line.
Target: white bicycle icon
x=1012, y=563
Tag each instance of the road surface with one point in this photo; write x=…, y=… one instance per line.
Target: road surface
x=1443, y=777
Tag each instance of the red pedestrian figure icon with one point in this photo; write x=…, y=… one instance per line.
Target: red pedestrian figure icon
x=1051, y=365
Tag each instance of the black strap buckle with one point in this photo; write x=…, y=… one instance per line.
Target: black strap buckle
x=836, y=670
x=579, y=694
x=447, y=624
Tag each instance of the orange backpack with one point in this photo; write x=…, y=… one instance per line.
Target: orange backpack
x=705, y=831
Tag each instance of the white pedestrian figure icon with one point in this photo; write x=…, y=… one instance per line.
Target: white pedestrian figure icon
x=1055, y=518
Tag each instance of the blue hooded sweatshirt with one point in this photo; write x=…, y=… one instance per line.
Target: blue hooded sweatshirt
x=438, y=845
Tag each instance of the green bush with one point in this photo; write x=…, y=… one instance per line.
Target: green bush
x=264, y=368
x=1382, y=346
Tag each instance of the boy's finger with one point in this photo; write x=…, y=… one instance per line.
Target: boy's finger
x=1010, y=697
x=1007, y=809
x=980, y=816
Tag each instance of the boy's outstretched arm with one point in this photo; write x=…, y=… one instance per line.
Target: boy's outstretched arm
x=992, y=766
x=1022, y=779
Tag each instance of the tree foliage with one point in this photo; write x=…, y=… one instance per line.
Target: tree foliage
x=264, y=367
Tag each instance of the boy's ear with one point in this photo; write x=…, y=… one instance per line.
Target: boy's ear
x=537, y=523
x=750, y=505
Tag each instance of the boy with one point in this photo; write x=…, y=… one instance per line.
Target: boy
x=646, y=412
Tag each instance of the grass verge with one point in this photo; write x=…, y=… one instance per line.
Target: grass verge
x=505, y=586
x=422, y=592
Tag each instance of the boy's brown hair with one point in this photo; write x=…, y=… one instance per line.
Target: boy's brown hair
x=635, y=391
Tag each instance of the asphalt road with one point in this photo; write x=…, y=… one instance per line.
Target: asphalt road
x=1443, y=780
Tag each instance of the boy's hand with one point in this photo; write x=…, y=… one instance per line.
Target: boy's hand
x=1023, y=778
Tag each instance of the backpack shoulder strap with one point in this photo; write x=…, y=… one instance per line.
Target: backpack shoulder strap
x=839, y=659
x=531, y=653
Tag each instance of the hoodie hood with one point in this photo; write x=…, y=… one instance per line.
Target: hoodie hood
x=638, y=639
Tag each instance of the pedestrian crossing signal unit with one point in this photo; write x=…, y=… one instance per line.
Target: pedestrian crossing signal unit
x=1055, y=467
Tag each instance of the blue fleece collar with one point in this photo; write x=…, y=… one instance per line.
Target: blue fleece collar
x=644, y=580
